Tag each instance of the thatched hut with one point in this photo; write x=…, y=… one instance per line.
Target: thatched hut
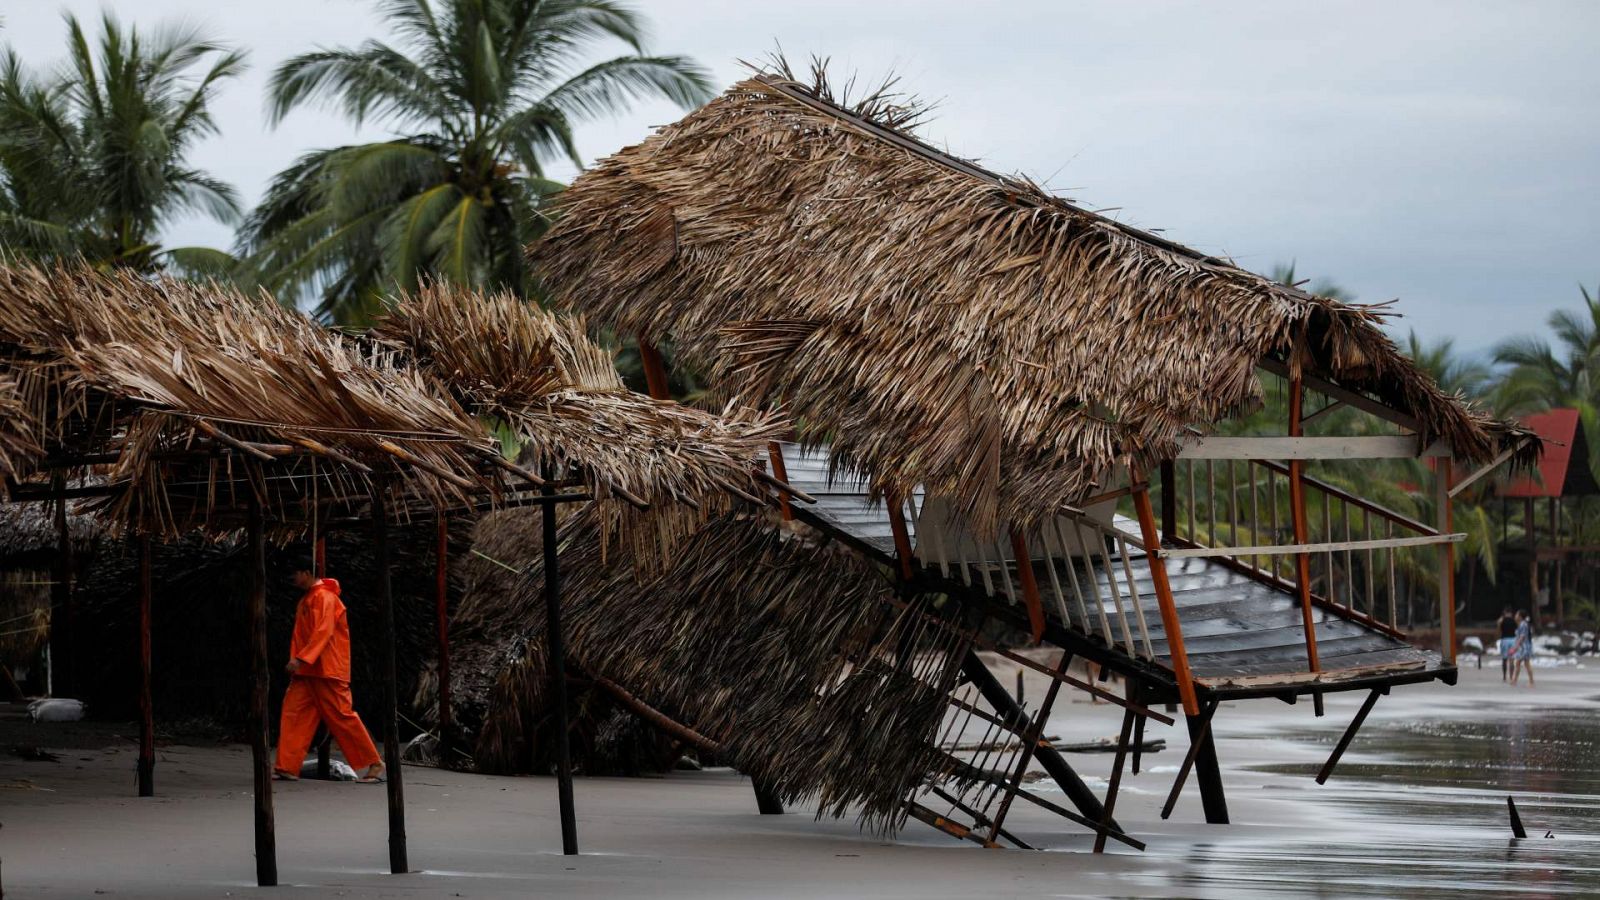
x=1004, y=369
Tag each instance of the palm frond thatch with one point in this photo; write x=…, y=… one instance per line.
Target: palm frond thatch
x=143, y=371
x=784, y=650
x=18, y=443
x=941, y=325
x=559, y=394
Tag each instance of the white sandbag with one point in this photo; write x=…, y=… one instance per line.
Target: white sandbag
x=338, y=769
x=55, y=709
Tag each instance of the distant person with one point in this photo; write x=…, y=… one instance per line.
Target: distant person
x=1508, y=636
x=319, y=685
x=1522, y=647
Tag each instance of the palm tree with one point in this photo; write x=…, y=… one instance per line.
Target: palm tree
x=1540, y=378
x=486, y=92
x=92, y=158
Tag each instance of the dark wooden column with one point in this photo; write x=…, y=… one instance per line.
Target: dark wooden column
x=63, y=665
x=1169, y=503
x=261, y=681
x=323, y=740
x=147, y=725
x=1302, y=531
x=391, y=712
x=556, y=647
x=1208, y=771
x=441, y=610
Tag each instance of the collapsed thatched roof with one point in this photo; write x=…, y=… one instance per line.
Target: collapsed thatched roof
x=147, y=373
x=783, y=650
x=559, y=394
x=939, y=324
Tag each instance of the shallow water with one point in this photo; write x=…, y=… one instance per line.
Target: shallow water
x=1418, y=809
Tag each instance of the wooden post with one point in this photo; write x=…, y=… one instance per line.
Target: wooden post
x=1302, y=561
x=323, y=738
x=319, y=557
x=780, y=471
x=63, y=661
x=1030, y=585
x=261, y=680
x=1208, y=770
x=391, y=712
x=1555, y=564
x=767, y=800
x=1169, y=607
x=554, y=641
x=1169, y=500
x=655, y=370
x=1349, y=734
x=441, y=611
x=897, y=527
x=1116, y=776
x=147, y=726
x=1447, y=563
x=1531, y=527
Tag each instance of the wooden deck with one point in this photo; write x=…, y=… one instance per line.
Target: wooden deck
x=1240, y=633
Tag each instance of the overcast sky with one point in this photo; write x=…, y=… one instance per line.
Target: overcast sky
x=1444, y=153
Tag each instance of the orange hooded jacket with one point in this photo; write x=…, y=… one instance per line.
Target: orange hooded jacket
x=321, y=633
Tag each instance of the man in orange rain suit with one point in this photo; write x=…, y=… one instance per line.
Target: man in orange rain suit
x=319, y=685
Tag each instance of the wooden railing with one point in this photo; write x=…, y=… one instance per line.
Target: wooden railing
x=1362, y=552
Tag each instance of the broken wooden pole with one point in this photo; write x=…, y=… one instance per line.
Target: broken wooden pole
x=1195, y=742
x=1128, y=717
x=391, y=710
x=1031, y=740
x=62, y=679
x=147, y=726
x=1349, y=734
x=260, y=683
x=655, y=371
x=1208, y=772
x=441, y=611
x=767, y=801
x=1017, y=720
x=1516, y=820
x=555, y=643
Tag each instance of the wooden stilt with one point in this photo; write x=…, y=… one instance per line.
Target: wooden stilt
x=1169, y=607
x=63, y=662
x=1349, y=734
x=767, y=801
x=1195, y=743
x=897, y=527
x=147, y=726
x=655, y=370
x=1169, y=501
x=1447, y=564
x=261, y=680
x=1016, y=719
x=1138, y=730
x=441, y=609
x=555, y=643
x=1297, y=512
x=324, y=739
x=1128, y=716
x=391, y=712
x=1208, y=772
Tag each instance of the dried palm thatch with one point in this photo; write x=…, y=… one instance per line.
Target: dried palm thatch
x=18, y=446
x=785, y=651
x=538, y=376
x=152, y=374
x=942, y=325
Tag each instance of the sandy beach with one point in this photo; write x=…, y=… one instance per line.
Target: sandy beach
x=1417, y=808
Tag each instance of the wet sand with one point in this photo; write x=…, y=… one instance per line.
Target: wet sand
x=1416, y=809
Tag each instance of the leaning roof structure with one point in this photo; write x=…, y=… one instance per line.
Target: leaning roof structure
x=942, y=325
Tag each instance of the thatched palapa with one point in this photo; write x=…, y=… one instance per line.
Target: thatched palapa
x=941, y=325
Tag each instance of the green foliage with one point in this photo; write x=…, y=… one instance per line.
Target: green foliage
x=486, y=93
x=93, y=156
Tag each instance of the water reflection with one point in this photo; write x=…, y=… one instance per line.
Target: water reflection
x=1417, y=810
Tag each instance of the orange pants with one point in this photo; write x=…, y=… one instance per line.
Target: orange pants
x=312, y=700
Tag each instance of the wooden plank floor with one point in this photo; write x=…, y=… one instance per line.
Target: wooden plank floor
x=1233, y=626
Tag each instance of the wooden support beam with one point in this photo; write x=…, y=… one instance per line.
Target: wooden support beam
x=1208, y=772
x=1031, y=742
x=261, y=681
x=1116, y=776
x=1169, y=516
x=411, y=459
x=441, y=616
x=63, y=606
x=1170, y=623
x=781, y=473
x=1302, y=532
x=247, y=449
x=954, y=829
x=1350, y=733
x=147, y=726
x=1493, y=464
x=655, y=370
x=391, y=689
x=1030, y=585
x=555, y=645
x=1447, y=563
x=1331, y=406
x=1320, y=547
x=1297, y=446
x=324, y=450
x=902, y=537
x=1198, y=731
x=1006, y=706
x=655, y=717
x=1348, y=397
